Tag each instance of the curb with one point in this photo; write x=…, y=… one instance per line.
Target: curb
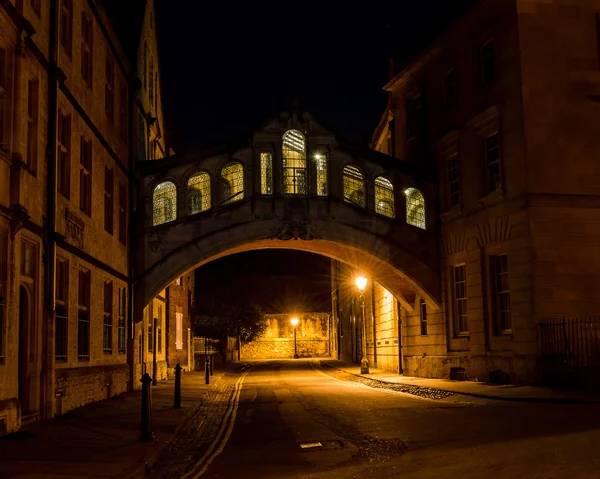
x=547, y=400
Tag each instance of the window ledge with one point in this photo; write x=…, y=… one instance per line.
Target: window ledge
x=452, y=214
x=493, y=198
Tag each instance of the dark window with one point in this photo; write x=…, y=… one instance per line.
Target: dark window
x=109, y=88
x=487, y=63
x=109, y=189
x=64, y=154
x=151, y=335
x=62, y=305
x=501, y=314
x=85, y=176
x=83, y=315
x=32, y=124
x=415, y=116
x=493, y=163
x=5, y=108
x=28, y=259
x=87, y=49
x=459, y=280
x=36, y=6
x=66, y=26
x=123, y=110
x=122, y=316
x=423, y=311
x=453, y=179
x=107, y=330
x=122, y=213
x=449, y=89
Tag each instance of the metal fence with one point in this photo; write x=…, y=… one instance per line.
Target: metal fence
x=570, y=349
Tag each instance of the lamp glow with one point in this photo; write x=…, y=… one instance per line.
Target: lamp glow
x=294, y=322
x=361, y=283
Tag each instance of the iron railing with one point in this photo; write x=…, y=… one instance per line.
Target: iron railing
x=571, y=343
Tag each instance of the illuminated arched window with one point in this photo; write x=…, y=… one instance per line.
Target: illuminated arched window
x=266, y=173
x=295, y=180
x=415, y=208
x=232, y=183
x=354, y=185
x=164, y=203
x=384, y=197
x=321, y=164
x=198, y=193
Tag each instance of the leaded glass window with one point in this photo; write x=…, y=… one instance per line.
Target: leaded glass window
x=384, y=197
x=232, y=182
x=321, y=161
x=415, y=208
x=295, y=180
x=266, y=173
x=198, y=193
x=354, y=185
x=164, y=201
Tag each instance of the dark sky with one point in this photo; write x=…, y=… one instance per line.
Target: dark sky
x=226, y=66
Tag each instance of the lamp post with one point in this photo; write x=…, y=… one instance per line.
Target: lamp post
x=295, y=322
x=361, y=284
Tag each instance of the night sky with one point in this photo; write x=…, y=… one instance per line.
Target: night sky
x=227, y=66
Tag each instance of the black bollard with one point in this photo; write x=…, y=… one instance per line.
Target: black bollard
x=146, y=424
x=212, y=359
x=177, y=399
x=207, y=369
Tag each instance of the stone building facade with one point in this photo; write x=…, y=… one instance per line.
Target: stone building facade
x=509, y=122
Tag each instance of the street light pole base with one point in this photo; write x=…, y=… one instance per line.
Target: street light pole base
x=364, y=366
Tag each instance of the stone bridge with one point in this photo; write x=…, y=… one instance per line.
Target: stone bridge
x=291, y=184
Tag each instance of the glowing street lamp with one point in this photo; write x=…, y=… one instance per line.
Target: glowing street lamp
x=295, y=322
x=361, y=284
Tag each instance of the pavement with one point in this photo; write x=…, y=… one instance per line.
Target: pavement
x=534, y=394
x=101, y=440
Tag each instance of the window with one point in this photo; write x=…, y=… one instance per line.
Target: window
x=28, y=259
x=123, y=213
x=83, y=315
x=159, y=327
x=354, y=185
x=85, y=176
x=36, y=6
x=122, y=316
x=107, y=330
x=453, y=180
x=459, y=280
x=415, y=116
x=178, y=330
x=384, y=197
x=109, y=189
x=123, y=110
x=87, y=38
x=164, y=203
x=198, y=193
x=266, y=173
x=109, y=88
x=501, y=314
x=151, y=334
x=492, y=162
x=66, y=26
x=487, y=63
x=449, y=89
x=321, y=163
x=4, y=99
x=232, y=183
x=32, y=124
x=294, y=163
x=62, y=305
x=423, y=311
x=415, y=208
x=64, y=154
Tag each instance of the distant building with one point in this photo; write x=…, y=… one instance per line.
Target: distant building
x=505, y=106
x=76, y=110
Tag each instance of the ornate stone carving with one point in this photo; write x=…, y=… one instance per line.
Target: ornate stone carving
x=295, y=224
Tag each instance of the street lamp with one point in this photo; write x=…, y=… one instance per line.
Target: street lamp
x=361, y=284
x=295, y=322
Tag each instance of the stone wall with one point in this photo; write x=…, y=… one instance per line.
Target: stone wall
x=75, y=387
x=277, y=342
x=10, y=416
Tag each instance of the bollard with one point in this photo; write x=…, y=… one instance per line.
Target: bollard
x=207, y=369
x=146, y=424
x=177, y=398
x=212, y=359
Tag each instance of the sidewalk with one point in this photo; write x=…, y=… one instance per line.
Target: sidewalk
x=475, y=389
x=101, y=440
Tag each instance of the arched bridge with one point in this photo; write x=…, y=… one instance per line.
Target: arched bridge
x=292, y=184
